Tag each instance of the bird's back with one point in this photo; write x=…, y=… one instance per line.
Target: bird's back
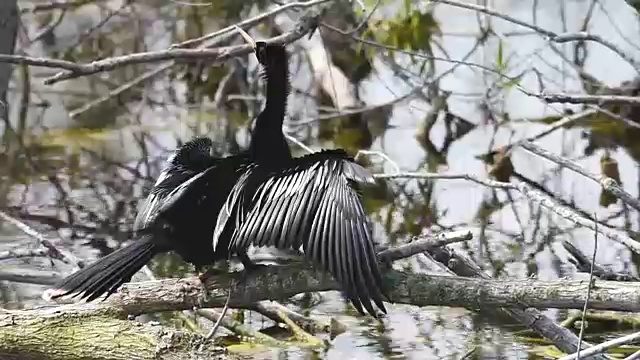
x=184, y=203
x=190, y=211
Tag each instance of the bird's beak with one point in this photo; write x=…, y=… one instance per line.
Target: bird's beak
x=246, y=36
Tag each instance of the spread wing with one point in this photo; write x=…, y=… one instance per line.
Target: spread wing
x=312, y=206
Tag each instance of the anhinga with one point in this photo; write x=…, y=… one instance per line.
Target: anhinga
x=180, y=212
x=310, y=203
x=177, y=216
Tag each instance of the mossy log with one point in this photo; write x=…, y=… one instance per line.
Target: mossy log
x=54, y=333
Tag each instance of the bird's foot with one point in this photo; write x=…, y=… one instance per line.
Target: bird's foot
x=203, y=276
x=248, y=270
x=207, y=273
x=249, y=266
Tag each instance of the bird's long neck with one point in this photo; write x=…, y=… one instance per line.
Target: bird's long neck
x=268, y=143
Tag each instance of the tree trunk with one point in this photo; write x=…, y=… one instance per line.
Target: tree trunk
x=8, y=32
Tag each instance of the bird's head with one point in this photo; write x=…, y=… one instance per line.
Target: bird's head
x=267, y=54
x=196, y=150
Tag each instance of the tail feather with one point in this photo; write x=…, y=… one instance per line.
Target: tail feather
x=108, y=273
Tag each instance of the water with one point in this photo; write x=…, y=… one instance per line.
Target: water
x=409, y=332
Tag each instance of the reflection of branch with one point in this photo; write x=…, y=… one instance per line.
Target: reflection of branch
x=54, y=252
x=531, y=194
x=584, y=264
x=561, y=337
x=606, y=182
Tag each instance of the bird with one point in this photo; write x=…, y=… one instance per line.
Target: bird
x=178, y=215
x=180, y=211
x=311, y=203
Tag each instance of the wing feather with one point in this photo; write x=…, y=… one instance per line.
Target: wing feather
x=310, y=205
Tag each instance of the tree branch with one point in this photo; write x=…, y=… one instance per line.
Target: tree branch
x=281, y=283
x=46, y=334
x=73, y=70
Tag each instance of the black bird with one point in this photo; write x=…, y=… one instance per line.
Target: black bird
x=179, y=214
x=311, y=203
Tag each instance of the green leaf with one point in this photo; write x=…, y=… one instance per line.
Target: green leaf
x=512, y=82
x=500, y=60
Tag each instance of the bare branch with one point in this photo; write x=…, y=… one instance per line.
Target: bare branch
x=251, y=22
x=280, y=283
x=23, y=253
x=561, y=337
x=589, y=99
x=552, y=36
x=533, y=195
x=74, y=70
x=29, y=277
x=604, y=346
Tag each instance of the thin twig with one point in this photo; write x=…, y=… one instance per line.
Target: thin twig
x=23, y=253
x=552, y=36
x=600, y=348
x=586, y=302
x=73, y=70
x=588, y=99
x=250, y=22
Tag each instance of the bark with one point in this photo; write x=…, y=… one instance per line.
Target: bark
x=54, y=333
x=417, y=289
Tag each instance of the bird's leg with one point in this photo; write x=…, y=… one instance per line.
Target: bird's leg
x=208, y=272
x=247, y=263
x=204, y=272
